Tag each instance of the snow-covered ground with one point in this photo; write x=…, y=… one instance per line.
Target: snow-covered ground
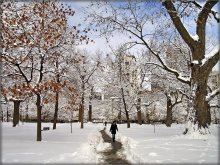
x=141, y=144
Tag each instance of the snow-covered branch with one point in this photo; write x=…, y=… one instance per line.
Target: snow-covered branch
x=202, y=18
x=212, y=57
x=212, y=95
x=178, y=23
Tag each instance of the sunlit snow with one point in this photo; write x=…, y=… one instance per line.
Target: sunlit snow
x=141, y=144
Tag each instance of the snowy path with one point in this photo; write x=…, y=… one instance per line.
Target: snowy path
x=111, y=156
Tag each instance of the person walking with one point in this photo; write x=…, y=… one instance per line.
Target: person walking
x=113, y=129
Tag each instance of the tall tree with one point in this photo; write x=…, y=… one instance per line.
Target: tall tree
x=132, y=18
x=84, y=69
x=31, y=32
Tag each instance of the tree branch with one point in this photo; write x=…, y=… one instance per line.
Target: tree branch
x=202, y=18
x=213, y=94
x=178, y=24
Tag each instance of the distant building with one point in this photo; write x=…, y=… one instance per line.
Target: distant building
x=129, y=68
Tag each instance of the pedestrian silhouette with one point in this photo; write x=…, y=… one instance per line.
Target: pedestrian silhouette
x=113, y=129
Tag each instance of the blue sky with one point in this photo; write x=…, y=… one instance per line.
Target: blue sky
x=101, y=44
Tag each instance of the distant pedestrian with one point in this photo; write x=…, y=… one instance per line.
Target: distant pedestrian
x=113, y=129
x=105, y=123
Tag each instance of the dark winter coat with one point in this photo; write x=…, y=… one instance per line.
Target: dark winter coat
x=113, y=128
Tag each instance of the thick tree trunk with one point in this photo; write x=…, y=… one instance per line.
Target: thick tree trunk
x=139, y=111
x=200, y=114
x=39, y=108
x=16, y=112
x=200, y=104
x=199, y=72
x=56, y=110
x=169, y=113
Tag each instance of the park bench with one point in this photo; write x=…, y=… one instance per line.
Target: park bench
x=46, y=128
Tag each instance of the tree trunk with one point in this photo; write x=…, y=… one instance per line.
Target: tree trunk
x=82, y=105
x=199, y=71
x=16, y=112
x=125, y=107
x=199, y=108
x=128, y=120
x=147, y=118
x=7, y=115
x=200, y=104
x=90, y=111
x=80, y=109
x=82, y=113
x=139, y=111
x=57, y=98
x=90, y=104
x=119, y=116
x=56, y=110
x=2, y=116
x=169, y=112
x=39, y=108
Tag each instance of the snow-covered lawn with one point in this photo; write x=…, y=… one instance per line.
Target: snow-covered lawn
x=168, y=145
x=141, y=144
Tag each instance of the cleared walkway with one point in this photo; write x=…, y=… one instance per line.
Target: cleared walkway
x=112, y=156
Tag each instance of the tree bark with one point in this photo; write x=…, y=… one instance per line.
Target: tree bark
x=16, y=112
x=56, y=110
x=199, y=92
x=39, y=108
x=125, y=107
x=147, y=118
x=82, y=113
x=80, y=109
x=90, y=111
x=7, y=115
x=139, y=111
x=169, y=112
x=2, y=115
x=82, y=104
x=90, y=104
x=57, y=98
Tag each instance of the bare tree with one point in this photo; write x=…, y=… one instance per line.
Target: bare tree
x=132, y=18
x=84, y=71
